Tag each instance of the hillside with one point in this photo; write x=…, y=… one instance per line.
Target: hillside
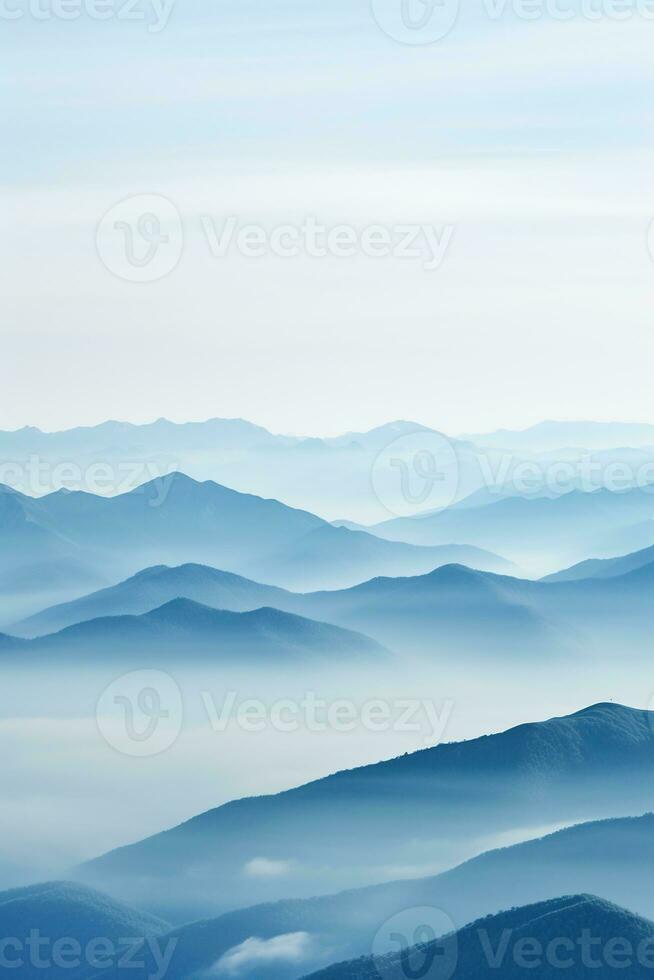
x=438, y=805
x=185, y=628
x=541, y=937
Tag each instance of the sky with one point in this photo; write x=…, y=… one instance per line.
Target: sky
x=515, y=154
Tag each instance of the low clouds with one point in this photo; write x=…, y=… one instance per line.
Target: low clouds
x=265, y=868
x=292, y=947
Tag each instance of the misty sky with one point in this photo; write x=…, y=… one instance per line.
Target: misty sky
x=530, y=140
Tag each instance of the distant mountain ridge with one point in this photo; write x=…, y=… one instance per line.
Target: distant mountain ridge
x=223, y=432
x=600, y=568
x=547, y=436
x=539, y=531
x=164, y=435
x=177, y=520
x=155, y=586
x=451, y=611
x=329, y=476
x=187, y=628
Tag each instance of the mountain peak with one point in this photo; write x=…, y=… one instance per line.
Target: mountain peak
x=607, y=708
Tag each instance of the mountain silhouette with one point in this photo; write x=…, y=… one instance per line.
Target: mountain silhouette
x=449, y=610
x=177, y=520
x=155, y=586
x=548, y=436
x=552, y=931
x=183, y=627
x=64, y=912
x=604, y=567
x=441, y=804
x=565, y=862
x=537, y=532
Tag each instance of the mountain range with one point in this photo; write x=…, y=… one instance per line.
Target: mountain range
x=549, y=436
x=328, y=476
x=430, y=612
x=223, y=546
x=187, y=629
x=86, y=935
x=450, y=611
x=177, y=520
x=154, y=587
x=325, y=475
x=539, y=534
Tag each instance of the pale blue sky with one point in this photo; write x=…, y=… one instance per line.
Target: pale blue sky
x=533, y=140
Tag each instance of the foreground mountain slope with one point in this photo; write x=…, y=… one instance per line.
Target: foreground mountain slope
x=534, y=940
x=438, y=805
x=567, y=862
x=185, y=628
